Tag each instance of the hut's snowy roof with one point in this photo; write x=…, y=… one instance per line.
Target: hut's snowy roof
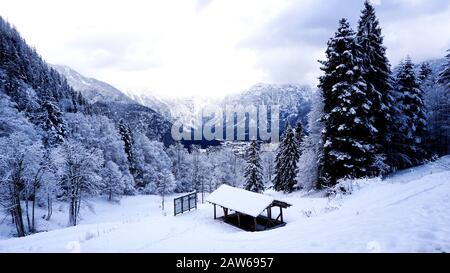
x=240, y=200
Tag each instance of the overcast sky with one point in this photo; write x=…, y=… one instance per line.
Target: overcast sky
x=214, y=47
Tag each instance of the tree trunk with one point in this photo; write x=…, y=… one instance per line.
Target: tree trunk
x=72, y=211
x=28, y=215
x=33, y=206
x=17, y=213
x=16, y=207
x=49, y=208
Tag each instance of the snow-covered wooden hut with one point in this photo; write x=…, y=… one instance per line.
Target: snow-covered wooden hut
x=245, y=209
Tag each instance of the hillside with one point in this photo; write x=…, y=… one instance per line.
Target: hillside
x=92, y=89
x=407, y=212
x=109, y=101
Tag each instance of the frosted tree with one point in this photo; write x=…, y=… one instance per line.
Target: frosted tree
x=444, y=74
x=376, y=73
x=312, y=146
x=441, y=112
x=233, y=167
x=19, y=156
x=49, y=186
x=426, y=76
x=127, y=138
x=299, y=133
x=408, y=142
x=434, y=99
x=100, y=132
x=286, y=162
x=165, y=184
x=268, y=166
x=348, y=130
x=181, y=167
x=79, y=170
x=113, y=184
x=36, y=171
x=253, y=170
x=17, y=169
x=151, y=160
x=200, y=170
x=51, y=120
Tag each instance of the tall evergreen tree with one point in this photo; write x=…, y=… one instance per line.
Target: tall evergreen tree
x=286, y=162
x=425, y=72
x=298, y=133
x=253, y=170
x=444, y=75
x=51, y=121
x=377, y=76
x=441, y=120
x=348, y=131
x=410, y=119
x=127, y=137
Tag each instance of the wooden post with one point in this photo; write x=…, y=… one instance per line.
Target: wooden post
x=281, y=214
x=269, y=213
x=189, y=201
x=182, y=207
x=239, y=219
x=214, y=211
x=225, y=213
x=174, y=208
x=255, y=223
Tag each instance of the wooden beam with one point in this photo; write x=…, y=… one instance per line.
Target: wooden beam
x=239, y=219
x=255, y=223
x=215, y=211
x=281, y=214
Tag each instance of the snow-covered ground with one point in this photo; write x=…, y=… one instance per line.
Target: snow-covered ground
x=409, y=212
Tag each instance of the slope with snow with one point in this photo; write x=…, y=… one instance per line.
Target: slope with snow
x=92, y=89
x=107, y=100
x=294, y=102
x=408, y=212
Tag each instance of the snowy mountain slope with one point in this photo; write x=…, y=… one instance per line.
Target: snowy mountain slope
x=116, y=105
x=294, y=102
x=185, y=109
x=407, y=212
x=93, y=90
x=152, y=101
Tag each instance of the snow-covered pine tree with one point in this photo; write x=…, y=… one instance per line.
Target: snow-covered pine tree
x=299, y=133
x=410, y=119
x=425, y=73
x=51, y=121
x=376, y=73
x=312, y=146
x=432, y=100
x=253, y=170
x=444, y=75
x=348, y=132
x=128, y=141
x=286, y=162
x=441, y=113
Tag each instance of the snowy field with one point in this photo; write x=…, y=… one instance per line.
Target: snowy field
x=409, y=212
